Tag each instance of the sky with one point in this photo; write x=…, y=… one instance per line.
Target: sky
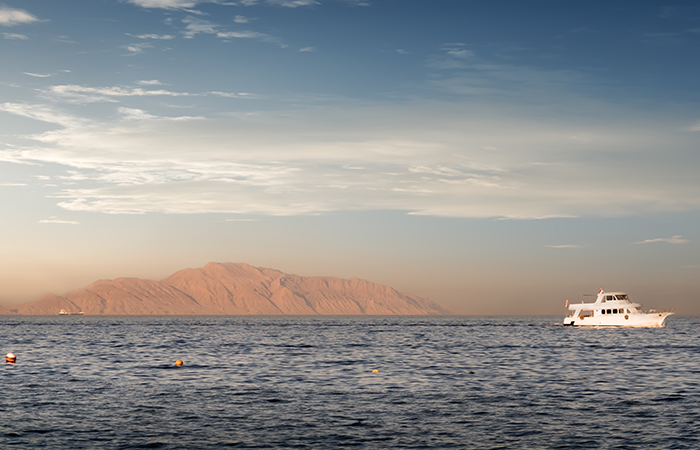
x=495, y=156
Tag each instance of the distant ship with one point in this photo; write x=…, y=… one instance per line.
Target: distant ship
x=63, y=312
x=614, y=309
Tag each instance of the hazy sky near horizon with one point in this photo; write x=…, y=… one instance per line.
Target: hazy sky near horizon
x=495, y=156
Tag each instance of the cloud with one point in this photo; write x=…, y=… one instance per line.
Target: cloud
x=233, y=94
x=14, y=36
x=242, y=35
x=376, y=157
x=401, y=51
x=167, y=4
x=137, y=48
x=10, y=16
x=38, y=75
x=150, y=83
x=672, y=240
x=293, y=3
x=565, y=246
x=195, y=26
x=86, y=94
x=242, y=19
x=307, y=49
x=12, y=184
x=53, y=219
x=43, y=113
x=152, y=36
x=135, y=114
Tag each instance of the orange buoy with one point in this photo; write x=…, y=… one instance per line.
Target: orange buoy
x=179, y=362
x=375, y=371
x=11, y=358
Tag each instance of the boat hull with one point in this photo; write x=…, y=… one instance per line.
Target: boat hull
x=620, y=320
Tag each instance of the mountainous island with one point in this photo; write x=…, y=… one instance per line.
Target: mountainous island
x=232, y=289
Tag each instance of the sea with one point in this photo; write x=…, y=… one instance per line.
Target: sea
x=347, y=382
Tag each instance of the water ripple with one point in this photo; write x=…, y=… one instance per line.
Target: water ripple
x=308, y=382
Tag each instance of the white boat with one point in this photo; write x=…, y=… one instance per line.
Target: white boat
x=63, y=312
x=616, y=310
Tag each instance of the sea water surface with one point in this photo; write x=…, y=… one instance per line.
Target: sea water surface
x=308, y=382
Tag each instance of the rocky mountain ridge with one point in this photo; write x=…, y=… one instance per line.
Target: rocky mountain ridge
x=232, y=289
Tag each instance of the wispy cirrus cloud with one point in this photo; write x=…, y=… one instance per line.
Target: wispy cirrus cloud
x=87, y=94
x=12, y=16
x=303, y=162
x=54, y=219
x=135, y=114
x=38, y=75
x=293, y=3
x=169, y=4
x=15, y=36
x=152, y=36
x=677, y=239
x=136, y=49
x=44, y=113
x=195, y=26
x=565, y=246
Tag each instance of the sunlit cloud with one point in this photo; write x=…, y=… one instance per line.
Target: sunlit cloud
x=677, y=239
x=303, y=162
x=12, y=16
x=89, y=94
x=44, y=113
x=565, y=246
x=150, y=83
x=54, y=219
x=38, y=75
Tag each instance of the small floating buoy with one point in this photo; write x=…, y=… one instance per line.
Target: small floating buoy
x=11, y=358
x=179, y=362
x=375, y=371
x=471, y=373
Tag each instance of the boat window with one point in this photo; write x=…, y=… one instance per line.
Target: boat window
x=621, y=297
x=609, y=311
x=602, y=311
x=608, y=297
x=614, y=311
